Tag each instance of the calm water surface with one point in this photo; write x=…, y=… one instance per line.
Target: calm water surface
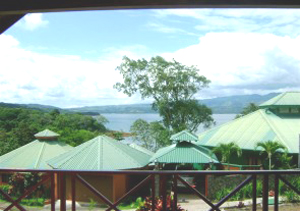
x=122, y=122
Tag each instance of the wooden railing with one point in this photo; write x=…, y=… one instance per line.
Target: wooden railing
x=76, y=176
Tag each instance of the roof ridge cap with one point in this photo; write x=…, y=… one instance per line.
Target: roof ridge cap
x=40, y=154
x=117, y=146
x=206, y=155
x=280, y=97
x=274, y=128
x=87, y=145
x=173, y=147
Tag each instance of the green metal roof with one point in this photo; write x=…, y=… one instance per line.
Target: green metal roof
x=33, y=155
x=184, y=152
x=101, y=153
x=261, y=125
x=46, y=134
x=287, y=99
x=142, y=149
x=184, y=136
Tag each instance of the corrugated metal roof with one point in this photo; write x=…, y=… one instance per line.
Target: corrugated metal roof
x=101, y=153
x=184, y=136
x=291, y=99
x=261, y=125
x=33, y=155
x=184, y=152
x=46, y=134
x=142, y=149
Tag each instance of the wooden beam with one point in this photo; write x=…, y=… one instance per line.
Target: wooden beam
x=33, y=6
x=7, y=21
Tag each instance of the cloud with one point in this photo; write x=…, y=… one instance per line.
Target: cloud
x=235, y=62
x=61, y=80
x=33, y=21
x=168, y=30
x=275, y=21
x=244, y=63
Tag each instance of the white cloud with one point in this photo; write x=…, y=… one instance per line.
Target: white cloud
x=167, y=29
x=33, y=21
x=276, y=21
x=61, y=80
x=235, y=62
x=244, y=63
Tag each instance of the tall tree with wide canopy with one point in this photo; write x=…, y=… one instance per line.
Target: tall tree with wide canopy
x=226, y=151
x=270, y=148
x=172, y=85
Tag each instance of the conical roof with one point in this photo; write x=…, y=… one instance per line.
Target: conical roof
x=33, y=155
x=46, y=134
x=101, y=153
x=261, y=125
x=287, y=99
x=184, y=136
x=184, y=152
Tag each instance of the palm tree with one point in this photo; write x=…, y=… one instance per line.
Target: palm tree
x=227, y=150
x=270, y=147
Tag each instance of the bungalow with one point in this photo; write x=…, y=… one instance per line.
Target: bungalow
x=278, y=119
x=101, y=153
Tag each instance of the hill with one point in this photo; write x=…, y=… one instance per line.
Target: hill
x=220, y=105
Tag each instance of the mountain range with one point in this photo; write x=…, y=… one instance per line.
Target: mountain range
x=219, y=105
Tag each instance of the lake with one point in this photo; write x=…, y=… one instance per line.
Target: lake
x=122, y=122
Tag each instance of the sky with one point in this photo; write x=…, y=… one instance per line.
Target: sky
x=69, y=59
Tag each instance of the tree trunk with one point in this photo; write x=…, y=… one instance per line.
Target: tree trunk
x=270, y=161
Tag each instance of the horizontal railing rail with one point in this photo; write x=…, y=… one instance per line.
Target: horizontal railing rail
x=150, y=179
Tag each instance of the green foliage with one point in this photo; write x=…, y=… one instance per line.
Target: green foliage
x=5, y=188
x=172, y=85
x=18, y=126
x=92, y=204
x=271, y=148
x=117, y=135
x=19, y=182
x=247, y=110
x=244, y=193
x=227, y=150
x=151, y=135
x=35, y=202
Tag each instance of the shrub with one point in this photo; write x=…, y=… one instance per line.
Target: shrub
x=147, y=205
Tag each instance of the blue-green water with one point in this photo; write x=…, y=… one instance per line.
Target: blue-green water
x=122, y=122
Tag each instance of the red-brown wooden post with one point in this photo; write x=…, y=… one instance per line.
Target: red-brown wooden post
x=254, y=192
x=62, y=184
x=276, y=190
x=53, y=192
x=163, y=191
x=153, y=192
x=73, y=186
x=265, y=193
x=175, y=192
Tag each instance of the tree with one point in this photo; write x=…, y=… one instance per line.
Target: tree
x=151, y=135
x=227, y=150
x=270, y=148
x=247, y=110
x=172, y=85
x=141, y=131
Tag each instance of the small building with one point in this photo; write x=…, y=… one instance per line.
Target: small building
x=101, y=153
x=184, y=151
x=35, y=154
x=278, y=119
